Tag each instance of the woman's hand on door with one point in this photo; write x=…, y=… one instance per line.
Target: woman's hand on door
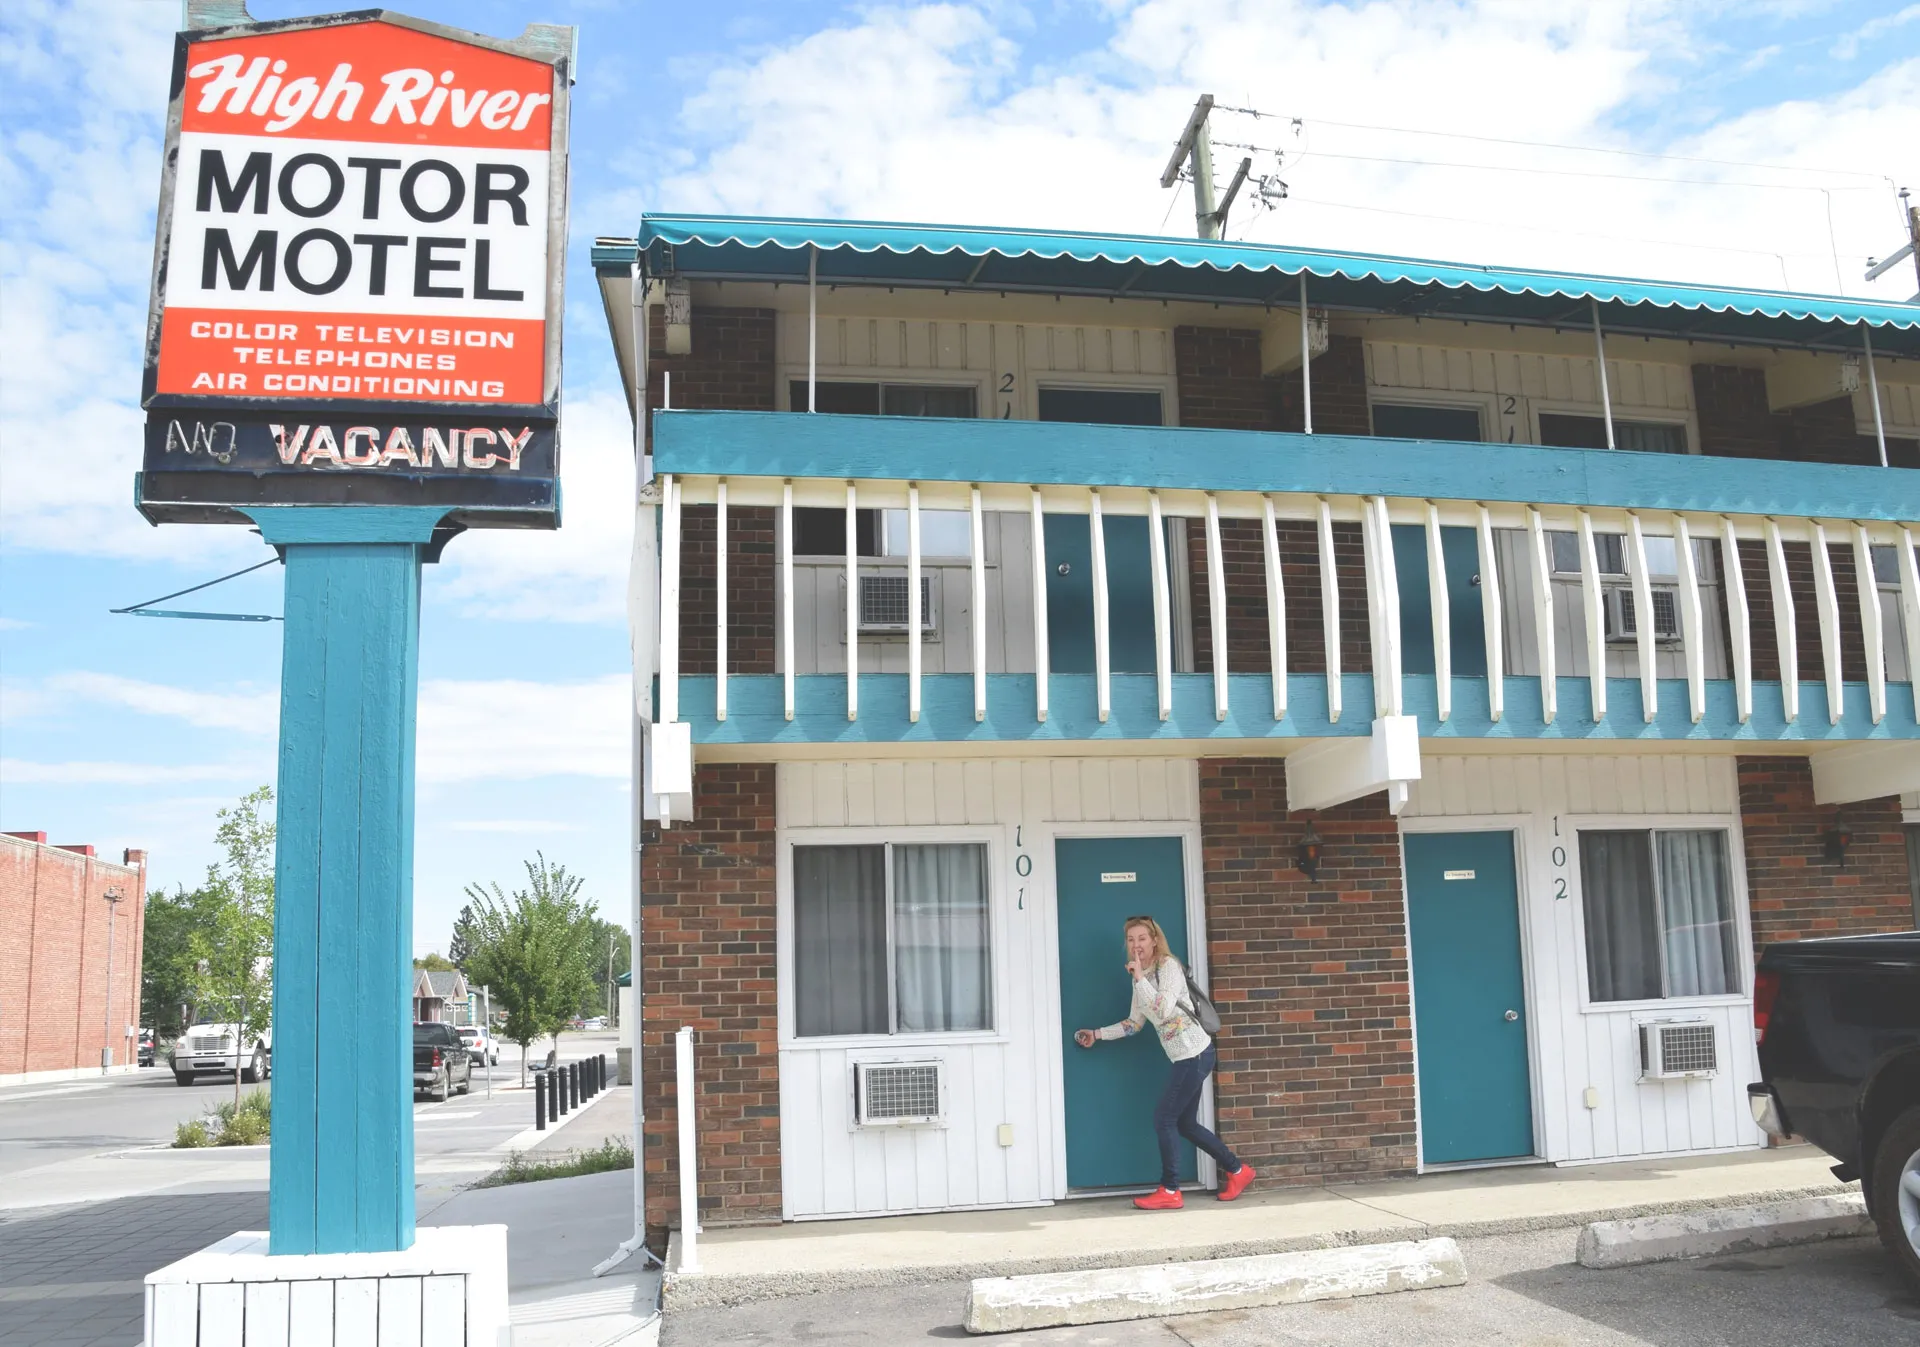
x=1084, y=1037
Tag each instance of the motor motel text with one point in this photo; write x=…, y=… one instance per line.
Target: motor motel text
x=386, y=247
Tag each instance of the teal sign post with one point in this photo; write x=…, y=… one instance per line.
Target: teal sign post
x=341, y=1162
x=355, y=347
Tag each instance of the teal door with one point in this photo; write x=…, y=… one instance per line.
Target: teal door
x=1111, y=1087
x=1466, y=627
x=1469, y=1007
x=1070, y=594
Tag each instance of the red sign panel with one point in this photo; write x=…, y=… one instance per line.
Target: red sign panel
x=364, y=212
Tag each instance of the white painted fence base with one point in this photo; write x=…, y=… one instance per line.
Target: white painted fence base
x=1699, y=1234
x=1108, y=1295
x=448, y=1290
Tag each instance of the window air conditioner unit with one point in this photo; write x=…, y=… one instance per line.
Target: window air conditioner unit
x=1678, y=1050
x=883, y=603
x=898, y=1094
x=1623, y=621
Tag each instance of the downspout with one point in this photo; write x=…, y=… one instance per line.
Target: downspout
x=642, y=608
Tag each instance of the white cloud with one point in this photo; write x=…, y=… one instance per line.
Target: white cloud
x=577, y=574
x=512, y=730
x=239, y=708
x=1850, y=44
x=20, y=771
x=513, y=825
x=948, y=131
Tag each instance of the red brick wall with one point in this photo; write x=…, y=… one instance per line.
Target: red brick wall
x=1806, y=610
x=53, y=957
x=1221, y=387
x=1794, y=891
x=752, y=583
x=708, y=960
x=1735, y=420
x=731, y=368
x=1316, y=1051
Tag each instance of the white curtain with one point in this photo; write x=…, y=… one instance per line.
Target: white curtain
x=1697, y=901
x=1622, y=916
x=941, y=938
x=840, y=940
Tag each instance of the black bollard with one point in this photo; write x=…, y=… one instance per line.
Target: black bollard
x=539, y=1106
x=573, y=1083
x=593, y=1086
x=556, y=1102
x=603, y=1070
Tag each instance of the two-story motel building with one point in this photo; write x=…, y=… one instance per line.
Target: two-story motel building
x=1471, y=668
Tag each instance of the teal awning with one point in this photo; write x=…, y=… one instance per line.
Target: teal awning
x=964, y=257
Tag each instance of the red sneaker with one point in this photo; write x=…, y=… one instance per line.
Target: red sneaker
x=1161, y=1199
x=1237, y=1183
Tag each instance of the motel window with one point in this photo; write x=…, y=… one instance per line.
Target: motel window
x=883, y=533
x=1102, y=406
x=1566, y=431
x=1407, y=421
x=891, y=939
x=1658, y=906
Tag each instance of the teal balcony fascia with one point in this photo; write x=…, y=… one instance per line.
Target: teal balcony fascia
x=756, y=715
x=928, y=449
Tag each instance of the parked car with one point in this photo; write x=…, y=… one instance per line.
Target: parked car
x=440, y=1059
x=221, y=1049
x=482, y=1047
x=596, y=1023
x=1838, y=1026
x=144, y=1048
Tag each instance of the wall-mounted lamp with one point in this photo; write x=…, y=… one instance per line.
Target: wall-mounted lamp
x=1838, y=840
x=679, y=316
x=1307, y=855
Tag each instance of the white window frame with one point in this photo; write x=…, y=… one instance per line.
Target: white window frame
x=1572, y=825
x=1487, y=404
x=1689, y=421
x=1167, y=386
x=787, y=839
x=790, y=373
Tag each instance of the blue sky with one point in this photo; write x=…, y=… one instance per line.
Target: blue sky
x=1798, y=116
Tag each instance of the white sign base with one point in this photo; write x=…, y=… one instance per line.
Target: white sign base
x=448, y=1290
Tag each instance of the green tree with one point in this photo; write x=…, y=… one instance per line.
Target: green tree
x=174, y=938
x=534, y=950
x=612, y=956
x=460, y=947
x=233, y=939
x=436, y=963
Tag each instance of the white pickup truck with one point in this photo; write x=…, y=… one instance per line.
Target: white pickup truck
x=216, y=1048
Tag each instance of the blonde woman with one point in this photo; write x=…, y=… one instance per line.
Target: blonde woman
x=1160, y=996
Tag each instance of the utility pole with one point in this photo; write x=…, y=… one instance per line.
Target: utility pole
x=113, y=897
x=1195, y=150
x=1911, y=249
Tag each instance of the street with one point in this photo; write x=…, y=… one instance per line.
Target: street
x=1521, y=1289
x=93, y=1197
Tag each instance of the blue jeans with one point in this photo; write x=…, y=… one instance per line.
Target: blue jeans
x=1178, y=1115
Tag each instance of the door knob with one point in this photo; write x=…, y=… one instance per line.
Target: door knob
x=1512, y=1015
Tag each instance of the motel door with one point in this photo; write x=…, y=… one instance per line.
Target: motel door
x=1111, y=1087
x=1469, y=1008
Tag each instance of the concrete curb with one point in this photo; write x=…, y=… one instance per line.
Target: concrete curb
x=1110, y=1295
x=1699, y=1234
x=681, y=1291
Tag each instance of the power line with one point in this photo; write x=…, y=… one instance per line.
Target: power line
x=1527, y=168
x=1553, y=145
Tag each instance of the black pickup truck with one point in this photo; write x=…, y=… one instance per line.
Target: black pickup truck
x=1838, y=1026
x=439, y=1059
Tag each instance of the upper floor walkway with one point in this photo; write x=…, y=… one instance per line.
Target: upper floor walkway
x=987, y=566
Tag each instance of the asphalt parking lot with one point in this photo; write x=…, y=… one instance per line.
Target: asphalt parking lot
x=1521, y=1290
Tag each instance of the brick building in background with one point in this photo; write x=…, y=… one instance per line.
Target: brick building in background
x=889, y=900
x=60, y=1001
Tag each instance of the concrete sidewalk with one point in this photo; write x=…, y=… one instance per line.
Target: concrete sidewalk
x=740, y=1265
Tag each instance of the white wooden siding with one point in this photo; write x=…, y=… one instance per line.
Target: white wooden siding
x=1899, y=407
x=1548, y=798
x=830, y=1168
x=820, y=620
x=1570, y=625
x=1521, y=385
x=982, y=354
